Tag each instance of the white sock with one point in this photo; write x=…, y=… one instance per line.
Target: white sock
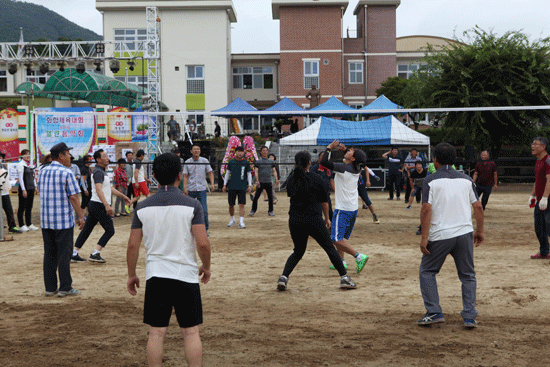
x=359, y=257
x=232, y=217
x=242, y=219
x=75, y=252
x=344, y=261
x=96, y=252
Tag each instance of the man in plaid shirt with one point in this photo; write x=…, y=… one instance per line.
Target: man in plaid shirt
x=58, y=192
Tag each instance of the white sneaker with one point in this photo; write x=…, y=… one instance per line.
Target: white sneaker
x=24, y=229
x=231, y=223
x=33, y=228
x=241, y=225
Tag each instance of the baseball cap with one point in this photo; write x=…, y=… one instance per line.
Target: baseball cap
x=360, y=157
x=59, y=148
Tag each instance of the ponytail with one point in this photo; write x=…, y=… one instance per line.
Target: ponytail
x=299, y=182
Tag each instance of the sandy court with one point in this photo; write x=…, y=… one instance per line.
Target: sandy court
x=249, y=323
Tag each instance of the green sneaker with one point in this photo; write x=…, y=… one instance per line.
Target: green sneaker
x=345, y=266
x=361, y=263
x=127, y=209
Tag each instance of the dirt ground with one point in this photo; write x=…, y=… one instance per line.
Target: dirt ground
x=247, y=322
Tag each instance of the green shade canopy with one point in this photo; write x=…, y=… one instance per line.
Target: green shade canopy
x=88, y=86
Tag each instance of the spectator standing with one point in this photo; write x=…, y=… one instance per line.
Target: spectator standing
x=274, y=181
x=416, y=179
x=140, y=180
x=539, y=196
x=173, y=129
x=217, y=130
x=265, y=167
x=58, y=197
x=485, y=178
x=86, y=182
x=446, y=218
x=6, y=201
x=26, y=191
x=100, y=210
x=121, y=184
x=171, y=270
x=237, y=182
x=395, y=164
x=408, y=167
x=129, y=168
x=195, y=171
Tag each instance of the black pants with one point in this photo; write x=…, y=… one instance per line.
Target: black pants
x=131, y=193
x=486, y=191
x=58, y=248
x=300, y=230
x=6, y=204
x=394, y=178
x=268, y=187
x=25, y=206
x=408, y=188
x=85, y=198
x=96, y=214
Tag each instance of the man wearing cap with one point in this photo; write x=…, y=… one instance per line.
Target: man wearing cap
x=99, y=209
x=346, y=202
x=58, y=197
x=140, y=180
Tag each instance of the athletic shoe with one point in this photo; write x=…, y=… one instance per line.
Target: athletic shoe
x=241, y=225
x=361, y=263
x=251, y=214
x=33, y=228
x=281, y=283
x=77, y=259
x=398, y=198
x=390, y=198
x=470, y=323
x=345, y=266
x=271, y=214
x=231, y=223
x=419, y=231
x=117, y=215
x=127, y=209
x=539, y=256
x=408, y=207
x=24, y=229
x=72, y=292
x=375, y=219
x=14, y=230
x=347, y=283
x=49, y=294
x=96, y=258
x=431, y=318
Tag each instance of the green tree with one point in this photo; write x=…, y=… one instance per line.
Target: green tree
x=487, y=71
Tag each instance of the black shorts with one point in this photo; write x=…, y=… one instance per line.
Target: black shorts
x=162, y=295
x=233, y=194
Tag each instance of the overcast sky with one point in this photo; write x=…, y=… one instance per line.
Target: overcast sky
x=257, y=32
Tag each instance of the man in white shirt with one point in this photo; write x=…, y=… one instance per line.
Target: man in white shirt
x=140, y=180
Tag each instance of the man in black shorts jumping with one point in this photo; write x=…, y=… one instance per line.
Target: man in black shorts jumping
x=171, y=269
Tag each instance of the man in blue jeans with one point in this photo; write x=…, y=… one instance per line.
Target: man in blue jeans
x=194, y=178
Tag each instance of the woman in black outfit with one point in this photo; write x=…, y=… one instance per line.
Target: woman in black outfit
x=308, y=200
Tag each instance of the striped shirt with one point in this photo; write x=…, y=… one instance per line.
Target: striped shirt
x=56, y=184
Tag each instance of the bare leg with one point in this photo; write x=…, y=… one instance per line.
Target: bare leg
x=241, y=210
x=371, y=208
x=192, y=346
x=155, y=346
x=231, y=210
x=411, y=197
x=344, y=246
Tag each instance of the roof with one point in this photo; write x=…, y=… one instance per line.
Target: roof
x=238, y=105
x=88, y=86
x=381, y=103
x=285, y=105
x=420, y=43
x=332, y=104
x=276, y=4
x=362, y=3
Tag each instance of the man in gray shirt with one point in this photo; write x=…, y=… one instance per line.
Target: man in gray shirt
x=264, y=168
x=194, y=178
x=173, y=128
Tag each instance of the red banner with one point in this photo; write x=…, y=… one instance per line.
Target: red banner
x=9, y=140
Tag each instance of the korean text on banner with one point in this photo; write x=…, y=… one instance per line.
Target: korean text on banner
x=119, y=126
x=76, y=129
x=9, y=141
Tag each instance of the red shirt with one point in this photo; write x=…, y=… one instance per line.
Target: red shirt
x=121, y=180
x=486, y=172
x=542, y=168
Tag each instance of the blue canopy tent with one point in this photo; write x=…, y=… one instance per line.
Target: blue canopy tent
x=286, y=107
x=383, y=131
x=231, y=112
x=332, y=104
x=381, y=103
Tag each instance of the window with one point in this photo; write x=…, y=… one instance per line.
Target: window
x=311, y=73
x=3, y=81
x=138, y=81
x=257, y=77
x=195, y=79
x=35, y=76
x=406, y=70
x=130, y=36
x=356, y=105
x=355, y=72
